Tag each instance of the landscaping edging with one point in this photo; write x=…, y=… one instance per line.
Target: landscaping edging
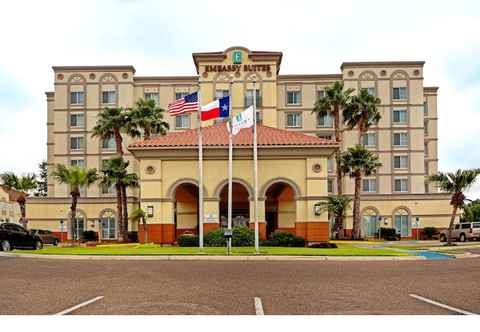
x=217, y=257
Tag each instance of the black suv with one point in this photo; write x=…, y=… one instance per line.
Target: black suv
x=15, y=236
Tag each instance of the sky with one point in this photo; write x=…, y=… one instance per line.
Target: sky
x=158, y=37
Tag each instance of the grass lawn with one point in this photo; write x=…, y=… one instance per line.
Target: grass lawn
x=153, y=250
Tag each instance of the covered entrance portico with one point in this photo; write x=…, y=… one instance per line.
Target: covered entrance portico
x=292, y=176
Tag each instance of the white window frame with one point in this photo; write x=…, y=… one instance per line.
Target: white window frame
x=82, y=115
x=327, y=121
x=370, y=90
x=82, y=146
x=400, y=158
x=184, y=120
x=107, y=147
x=400, y=110
x=181, y=94
x=220, y=93
x=405, y=134
x=76, y=162
x=297, y=97
x=297, y=115
x=155, y=96
x=400, y=97
x=370, y=188
x=401, y=186
x=108, y=94
x=366, y=139
x=77, y=98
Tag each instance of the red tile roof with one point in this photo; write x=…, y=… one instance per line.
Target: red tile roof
x=217, y=135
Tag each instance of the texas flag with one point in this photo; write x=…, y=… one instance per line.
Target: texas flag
x=216, y=109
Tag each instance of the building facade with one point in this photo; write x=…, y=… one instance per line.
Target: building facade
x=405, y=139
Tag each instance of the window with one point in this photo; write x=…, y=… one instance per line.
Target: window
x=320, y=94
x=259, y=117
x=182, y=121
x=324, y=121
x=400, y=139
x=108, y=97
x=400, y=116
x=221, y=93
x=425, y=108
x=426, y=149
x=77, y=143
x=401, y=185
x=371, y=91
x=77, y=98
x=180, y=95
x=330, y=165
x=328, y=137
x=465, y=226
x=78, y=227
x=294, y=97
x=152, y=96
x=109, y=144
x=294, y=120
x=77, y=120
x=369, y=185
x=427, y=188
x=77, y=163
x=369, y=139
x=400, y=93
x=249, y=98
x=330, y=186
x=108, y=230
x=457, y=226
x=108, y=190
x=369, y=220
x=400, y=161
x=425, y=127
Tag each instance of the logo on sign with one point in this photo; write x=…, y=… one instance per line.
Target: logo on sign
x=237, y=57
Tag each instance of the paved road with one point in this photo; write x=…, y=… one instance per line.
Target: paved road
x=42, y=286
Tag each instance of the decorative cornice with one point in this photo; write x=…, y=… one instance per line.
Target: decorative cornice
x=93, y=68
x=382, y=64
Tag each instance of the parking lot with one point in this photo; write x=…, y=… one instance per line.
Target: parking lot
x=43, y=286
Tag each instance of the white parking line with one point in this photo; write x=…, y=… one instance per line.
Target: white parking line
x=441, y=305
x=78, y=306
x=258, y=306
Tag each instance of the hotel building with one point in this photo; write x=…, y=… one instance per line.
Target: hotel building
x=296, y=168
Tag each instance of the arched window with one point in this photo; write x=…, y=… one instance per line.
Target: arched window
x=79, y=225
x=402, y=222
x=109, y=225
x=369, y=220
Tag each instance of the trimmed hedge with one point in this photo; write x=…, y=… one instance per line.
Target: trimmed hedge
x=389, y=234
x=287, y=239
x=215, y=238
x=430, y=232
x=187, y=240
x=324, y=245
x=89, y=236
x=243, y=237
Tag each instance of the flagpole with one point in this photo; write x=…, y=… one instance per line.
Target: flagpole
x=200, y=172
x=230, y=165
x=255, y=166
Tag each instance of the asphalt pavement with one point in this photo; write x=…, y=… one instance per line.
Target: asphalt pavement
x=45, y=286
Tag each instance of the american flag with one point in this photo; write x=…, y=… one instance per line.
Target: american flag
x=187, y=104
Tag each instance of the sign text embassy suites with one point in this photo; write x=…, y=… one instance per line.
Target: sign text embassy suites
x=291, y=207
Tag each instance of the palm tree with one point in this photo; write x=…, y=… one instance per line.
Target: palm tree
x=76, y=178
x=358, y=162
x=115, y=172
x=455, y=183
x=362, y=112
x=336, y=206
x=22, y=184
x=138, y=215
x=147, y=117
x=336, y=98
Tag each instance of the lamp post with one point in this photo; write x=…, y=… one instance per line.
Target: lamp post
x=417, y=225
x=61, y=230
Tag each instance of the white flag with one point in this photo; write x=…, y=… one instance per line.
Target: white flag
x=242, y=120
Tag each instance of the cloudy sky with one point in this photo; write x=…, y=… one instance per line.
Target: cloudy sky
x=158, y=37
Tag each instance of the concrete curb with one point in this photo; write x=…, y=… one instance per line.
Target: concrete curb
x=219, y=258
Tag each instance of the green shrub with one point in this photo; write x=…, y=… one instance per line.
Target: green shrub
x=269, y=243
x=430, y=232
x=89, y=236
x=243, y=236
x=187, y=240
x=389, y=234
x=215, y=238
x=287, y=239
x=324, y=245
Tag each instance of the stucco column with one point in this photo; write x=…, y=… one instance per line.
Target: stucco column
x=211, y=218
x=261, y=217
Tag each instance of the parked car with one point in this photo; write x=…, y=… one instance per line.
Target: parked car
x=15, y=236
x=462, y=232
x=46, y=236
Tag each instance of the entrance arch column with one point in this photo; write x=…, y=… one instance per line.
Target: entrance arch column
x=211, y=218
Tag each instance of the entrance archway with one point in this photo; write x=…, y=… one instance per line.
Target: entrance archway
x=185, y=209
x=280, y=207
x=240, y=205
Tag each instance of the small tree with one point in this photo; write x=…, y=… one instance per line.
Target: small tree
x=76, y=178
x=22, y=185
x=336, y=206
x=138, y=215
x=471, y=212
x=146, y=117
x=42, y=184
x=358, y=162
x=455, y=183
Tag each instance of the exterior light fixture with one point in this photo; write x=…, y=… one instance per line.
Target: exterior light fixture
x=317, y=209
